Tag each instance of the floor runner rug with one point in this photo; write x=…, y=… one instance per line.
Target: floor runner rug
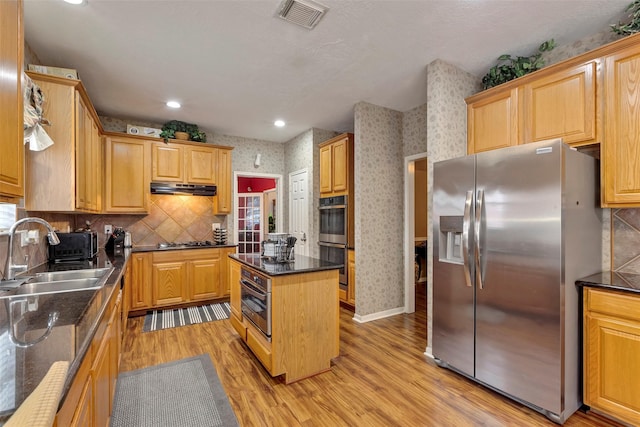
x=185, y=393
x=172, y=318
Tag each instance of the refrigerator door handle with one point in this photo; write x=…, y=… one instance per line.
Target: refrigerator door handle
x=477, y=228
x=466, y=225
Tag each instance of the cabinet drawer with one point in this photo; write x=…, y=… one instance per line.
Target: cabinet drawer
x=259, y=348
x=616, y=304
x=238, y=326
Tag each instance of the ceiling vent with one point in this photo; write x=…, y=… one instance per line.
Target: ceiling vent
x=305, y=13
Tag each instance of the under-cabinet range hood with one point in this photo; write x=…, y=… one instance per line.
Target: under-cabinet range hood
x=182, y=189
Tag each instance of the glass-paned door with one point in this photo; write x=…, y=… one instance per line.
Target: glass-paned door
x=249, y=223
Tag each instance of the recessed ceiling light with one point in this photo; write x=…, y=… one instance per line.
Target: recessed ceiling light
x=173, y=104
x=279, y=123
x=75, y=1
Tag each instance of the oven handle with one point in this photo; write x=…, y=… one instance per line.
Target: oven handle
x=333, y=245
x=251, y=290
x=332, y=207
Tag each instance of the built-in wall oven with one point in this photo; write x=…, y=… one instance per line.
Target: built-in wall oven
x=334, y=233
x=255, y=292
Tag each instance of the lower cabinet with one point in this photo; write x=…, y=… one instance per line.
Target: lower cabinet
x=611, y=349
x=89, y=401
x=140, y=293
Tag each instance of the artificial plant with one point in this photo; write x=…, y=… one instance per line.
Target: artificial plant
x=170, y=128
x=632, y=26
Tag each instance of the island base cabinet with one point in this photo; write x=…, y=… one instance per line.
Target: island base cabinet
x=611, y=362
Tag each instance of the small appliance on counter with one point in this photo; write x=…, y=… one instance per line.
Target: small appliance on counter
x=116, y=243
x=279, y=247
x=74, y=246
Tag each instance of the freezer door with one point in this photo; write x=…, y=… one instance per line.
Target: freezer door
x=453, y=290
x=518, y=293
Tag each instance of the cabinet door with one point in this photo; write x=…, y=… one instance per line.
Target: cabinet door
x=339, y=167
x=326, y=182
x=169, y=279
x=83, y=416
x=234, y=288
x=113, y=332
x=11, y=104
x=621, y=174
x=351, y=289
x=167, y=162
x=140, y=294
x=562, y=105
x=492, y=122
x=204, y=278
x=127, y=175
x=222, y=202
x=202, y=163
x=612, y=366
x=101, y=383
x=83, y=152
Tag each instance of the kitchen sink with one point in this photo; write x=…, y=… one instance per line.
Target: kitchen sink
x=55, y=276
x=82, y=284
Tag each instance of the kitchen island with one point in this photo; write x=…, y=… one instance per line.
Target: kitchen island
x=299, y=311
x=611, y=334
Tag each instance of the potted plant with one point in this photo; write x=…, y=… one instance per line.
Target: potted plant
x=509, y=68
x=634, y=25
x=176, y=129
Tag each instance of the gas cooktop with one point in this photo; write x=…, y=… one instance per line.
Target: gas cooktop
x=192, y=244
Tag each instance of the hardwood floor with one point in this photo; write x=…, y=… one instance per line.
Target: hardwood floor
x=381, y=378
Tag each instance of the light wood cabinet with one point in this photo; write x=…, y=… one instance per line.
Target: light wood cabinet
x=11, y=101
x=563, y=104
x=351, y=271
x=65, y=177
x=492, y=121
x=168, y=283
x=611, y=348
x=234, y=285
x=188, y=164
x=127, y=164
x=336, y=166
x=305, y=323
x=140, y=294
x=223, y=201
x=621, y=174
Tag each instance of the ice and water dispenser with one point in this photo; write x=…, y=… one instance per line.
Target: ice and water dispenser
x=450, y=239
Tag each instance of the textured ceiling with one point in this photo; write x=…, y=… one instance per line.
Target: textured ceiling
x=235, y=67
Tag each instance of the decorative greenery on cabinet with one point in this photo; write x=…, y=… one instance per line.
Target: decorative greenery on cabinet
x=633, y=26
x=509, y=67
x=170, y=128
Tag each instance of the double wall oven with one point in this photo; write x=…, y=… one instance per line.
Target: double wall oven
x=334, y=233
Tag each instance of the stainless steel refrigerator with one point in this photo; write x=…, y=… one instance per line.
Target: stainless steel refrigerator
x=513, y=229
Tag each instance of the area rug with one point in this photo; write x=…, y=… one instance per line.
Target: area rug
x=172, y=318
x=184, y=393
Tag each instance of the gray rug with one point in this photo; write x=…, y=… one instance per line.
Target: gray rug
x=183, y=393
x=173, y=318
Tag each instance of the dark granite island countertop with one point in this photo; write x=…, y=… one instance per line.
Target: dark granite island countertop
x=69, y=340
x=302, y=264
x=626, y=282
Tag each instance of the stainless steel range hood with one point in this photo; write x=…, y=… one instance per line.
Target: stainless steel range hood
x=182, y=189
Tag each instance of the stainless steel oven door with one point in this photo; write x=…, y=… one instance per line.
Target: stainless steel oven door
x=335, y=253
x=256, y=306
x=333, y=219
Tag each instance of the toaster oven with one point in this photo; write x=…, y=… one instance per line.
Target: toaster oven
x=74, y=246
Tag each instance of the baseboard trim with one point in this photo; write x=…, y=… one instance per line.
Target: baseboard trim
x=379, y=315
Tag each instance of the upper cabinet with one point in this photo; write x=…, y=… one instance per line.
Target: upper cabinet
x=492, y=121
x=127, y=164
x=11, y=104
x=621, y=159
x=189, y=164
x=222, y=203
x=66, y=177
x=336, y=166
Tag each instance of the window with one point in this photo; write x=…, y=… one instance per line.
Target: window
x=249, y=223
x=7, y=216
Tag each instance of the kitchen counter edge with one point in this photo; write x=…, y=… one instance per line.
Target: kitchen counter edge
x=612, y=280
x=301, y=264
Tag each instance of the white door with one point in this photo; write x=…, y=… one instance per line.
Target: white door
x=299, y=210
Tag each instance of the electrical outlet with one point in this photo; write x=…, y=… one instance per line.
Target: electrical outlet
x=215, y=226
x=108, y=229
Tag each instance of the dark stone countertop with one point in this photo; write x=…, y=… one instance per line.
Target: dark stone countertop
x=302, y=264
x=626, y=282
x=79, y=314
x=176, y=248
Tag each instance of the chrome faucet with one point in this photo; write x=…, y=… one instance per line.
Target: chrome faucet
x=10, y=268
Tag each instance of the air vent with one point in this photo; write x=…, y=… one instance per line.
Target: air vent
x=305, y=13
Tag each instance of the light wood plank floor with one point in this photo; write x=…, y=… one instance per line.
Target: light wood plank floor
x=381, y=378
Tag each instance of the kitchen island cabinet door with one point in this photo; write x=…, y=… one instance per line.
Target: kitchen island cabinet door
x=168, y=282
x=140, y=293
x=234, y=285
x=204, y=278
x=492, y=121
x=127, y=175
x=612, y=346
x=621, y=174
x=11, y=104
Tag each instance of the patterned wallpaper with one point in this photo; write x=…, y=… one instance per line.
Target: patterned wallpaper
x=414, y=131
x=378, y=209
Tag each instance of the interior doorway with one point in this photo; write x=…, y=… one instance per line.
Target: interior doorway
x=416, y=229
x=299, y=209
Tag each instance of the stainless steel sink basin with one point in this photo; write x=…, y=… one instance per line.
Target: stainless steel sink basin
x=55, y=276
x=32, y=288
